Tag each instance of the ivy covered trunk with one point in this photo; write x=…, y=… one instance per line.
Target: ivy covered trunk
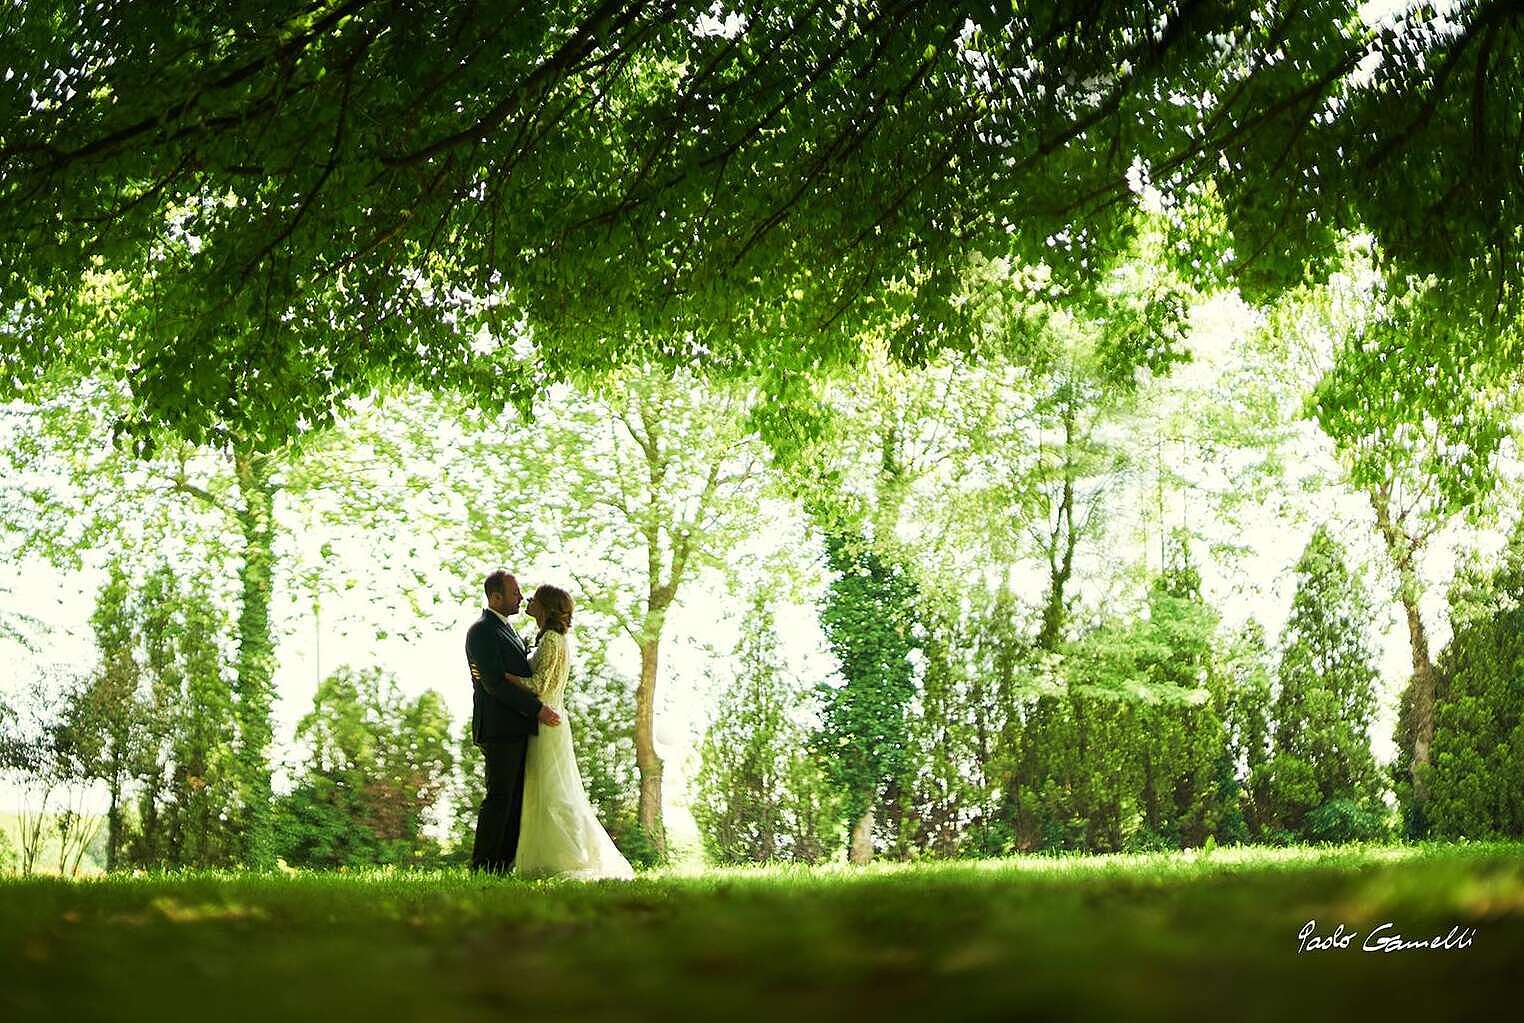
x=254, y=686
x=866, y=618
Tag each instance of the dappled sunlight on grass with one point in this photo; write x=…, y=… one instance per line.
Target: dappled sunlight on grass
x=1168, y=862
x=1155, y=935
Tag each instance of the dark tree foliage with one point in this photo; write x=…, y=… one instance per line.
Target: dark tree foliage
x=1422, y=417
x=256, y=210
x=1477, y=775
x=1074, y=785
x=944, y=790
x=1189, y=791
x=1246, y=718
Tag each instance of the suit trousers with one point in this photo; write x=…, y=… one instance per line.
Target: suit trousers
x=497, y=823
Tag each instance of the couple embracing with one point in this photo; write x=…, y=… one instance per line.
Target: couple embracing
x=536, y=818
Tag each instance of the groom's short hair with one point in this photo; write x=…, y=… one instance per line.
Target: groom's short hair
x=497, y=582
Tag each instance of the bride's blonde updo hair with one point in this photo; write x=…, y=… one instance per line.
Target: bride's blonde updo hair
x=557, y=604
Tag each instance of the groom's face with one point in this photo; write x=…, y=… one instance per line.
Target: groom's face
x=506, y=601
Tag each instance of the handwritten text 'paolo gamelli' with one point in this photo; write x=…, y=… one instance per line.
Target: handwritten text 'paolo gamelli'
x=1382, y=938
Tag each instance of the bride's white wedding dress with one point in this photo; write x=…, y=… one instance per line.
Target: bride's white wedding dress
x=559, y=835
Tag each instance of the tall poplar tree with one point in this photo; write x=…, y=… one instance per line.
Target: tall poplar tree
x=1323, y=778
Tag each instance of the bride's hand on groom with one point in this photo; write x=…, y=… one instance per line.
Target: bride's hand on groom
x=549, y=716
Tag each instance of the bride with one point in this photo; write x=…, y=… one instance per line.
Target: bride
x=560, y=835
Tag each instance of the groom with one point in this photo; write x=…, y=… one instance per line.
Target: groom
x=503, y=717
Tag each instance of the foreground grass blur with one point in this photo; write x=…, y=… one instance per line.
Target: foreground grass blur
x=1160, y=936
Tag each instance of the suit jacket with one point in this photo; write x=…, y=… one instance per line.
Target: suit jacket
x=499, y=709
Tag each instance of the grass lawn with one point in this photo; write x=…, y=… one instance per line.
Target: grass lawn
x=1166, y=936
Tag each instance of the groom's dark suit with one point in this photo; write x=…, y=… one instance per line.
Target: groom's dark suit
x=503, y=717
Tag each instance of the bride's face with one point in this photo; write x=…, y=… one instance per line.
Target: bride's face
x=536, y=612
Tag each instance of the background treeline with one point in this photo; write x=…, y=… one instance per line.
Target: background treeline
x=1019, y=564
x=1006, y=747
x=1002, y=746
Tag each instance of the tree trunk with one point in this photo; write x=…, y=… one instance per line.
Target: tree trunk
x=1403, y=549
x=1422, y=704
x=645, y=746
x=255, y=687
x=150, y=848
x=1053, y=612
x=861, y=849
x=114, y=819
x=1061, y=544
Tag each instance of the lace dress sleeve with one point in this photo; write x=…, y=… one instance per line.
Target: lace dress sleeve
x=549, y=655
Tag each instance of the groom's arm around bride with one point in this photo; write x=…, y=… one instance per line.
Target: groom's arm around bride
x=491, y=662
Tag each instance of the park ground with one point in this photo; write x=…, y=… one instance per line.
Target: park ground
x=1182, y=936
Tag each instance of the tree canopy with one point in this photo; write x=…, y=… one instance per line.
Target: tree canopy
x=256, y=211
